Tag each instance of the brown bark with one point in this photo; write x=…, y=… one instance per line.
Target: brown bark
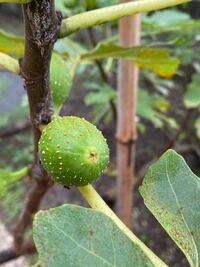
x=41, y=31
x=129, y=31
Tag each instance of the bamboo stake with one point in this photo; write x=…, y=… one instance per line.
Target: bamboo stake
x=129, y=31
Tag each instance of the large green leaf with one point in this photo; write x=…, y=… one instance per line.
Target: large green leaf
x=155, y=59
x=61, y=80
x=192, y=95
x=74, y=236
x=172, y=193
x=11, y=44
x=8, y=178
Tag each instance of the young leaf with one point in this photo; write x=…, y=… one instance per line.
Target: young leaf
x=192, y=95
x=8, y=178
x=61, y=81
x=74, y=236
x=155, y=59
x=172, y=193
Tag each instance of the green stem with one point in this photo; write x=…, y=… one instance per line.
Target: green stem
x=16, y=1
x=9, y=63
x=103, y=15
x=97, y=203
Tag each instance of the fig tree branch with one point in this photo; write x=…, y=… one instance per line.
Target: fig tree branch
x=103, y=15
x=42, y=25
x=11, y=253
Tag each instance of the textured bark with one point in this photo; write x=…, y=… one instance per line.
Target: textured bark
x=41, y=30
x=129, y=30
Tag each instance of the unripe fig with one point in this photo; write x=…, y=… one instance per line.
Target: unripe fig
x=73, y=151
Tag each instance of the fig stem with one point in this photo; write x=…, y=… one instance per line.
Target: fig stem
x=97, y=203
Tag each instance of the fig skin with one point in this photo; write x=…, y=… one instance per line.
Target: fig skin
x=73, y=151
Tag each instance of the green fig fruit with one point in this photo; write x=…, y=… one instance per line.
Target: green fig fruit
x=73, y=151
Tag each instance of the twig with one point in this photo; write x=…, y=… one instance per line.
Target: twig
x=15, y=129
x=11, y=254
x=34, y=197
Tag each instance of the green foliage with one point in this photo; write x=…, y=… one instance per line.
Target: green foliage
x=152, y=108
x=101, y=97
x=155, y=59
x=192, y=95
x=11, y=203
x=7, y=179
x=166, y=18
x=11, y=44
x=73, y=236
x=171, y=191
